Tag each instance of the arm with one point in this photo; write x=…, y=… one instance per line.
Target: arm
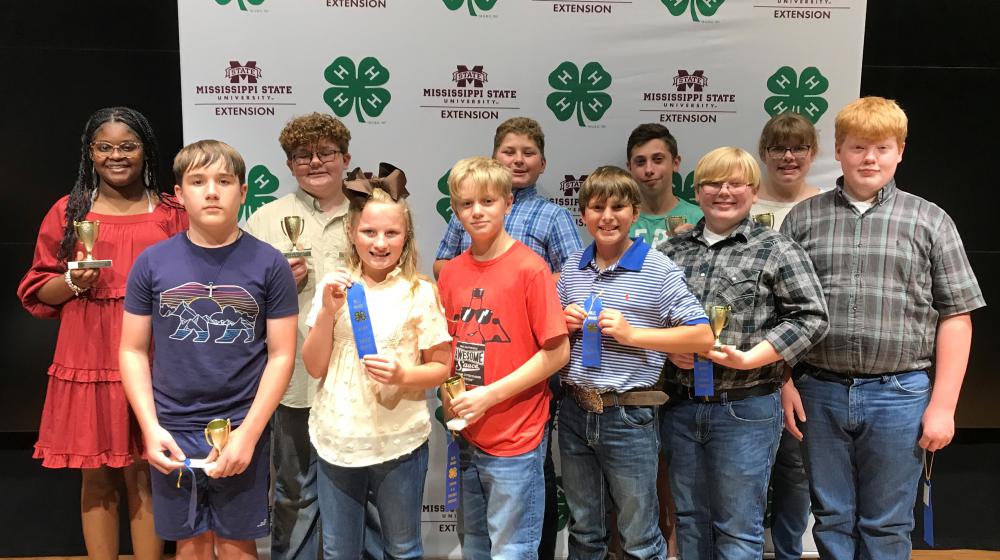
x=235, y=457
x=474, y=403
x=954, y=338
x=450, y=246
x=133, y=360
x=432, y=372
x=318, y=345
x=564, y=240
x=683, y=338
x=56, y=291
x=438, y=265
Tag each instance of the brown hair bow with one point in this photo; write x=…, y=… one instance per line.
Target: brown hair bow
x=359, y=185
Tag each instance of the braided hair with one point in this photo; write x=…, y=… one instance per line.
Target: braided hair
x=86, y=180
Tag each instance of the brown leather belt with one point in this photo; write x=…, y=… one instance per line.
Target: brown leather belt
x=595, y=401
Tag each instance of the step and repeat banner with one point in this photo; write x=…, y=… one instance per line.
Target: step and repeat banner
x=424, y=83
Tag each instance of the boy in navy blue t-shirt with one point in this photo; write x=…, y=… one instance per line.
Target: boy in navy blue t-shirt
x=220, y=308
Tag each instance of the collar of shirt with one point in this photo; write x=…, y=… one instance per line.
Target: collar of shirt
x=742, y=232
x=884, y=194
x=520, y=195
x=389, y=278
x=632, y=259
x=308, y=201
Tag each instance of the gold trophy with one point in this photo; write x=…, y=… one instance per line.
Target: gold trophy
x=86, y=232
x=674, y=222
x=718, y=318
x=455, y=385
x=217, y=435
x=766, y=219
x=292, y=226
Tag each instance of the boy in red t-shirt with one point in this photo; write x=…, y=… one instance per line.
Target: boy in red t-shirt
x=509, y=337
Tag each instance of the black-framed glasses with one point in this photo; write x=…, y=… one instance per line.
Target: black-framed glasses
x=325, y=155
x=714, y=187
x=798, y=152
x=126, y=148
x=481, y=316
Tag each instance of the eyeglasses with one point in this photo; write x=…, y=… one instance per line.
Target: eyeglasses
x=127, y=148
x=714, y=187
x=798, y=152
x=325, y=156
x=481, y=316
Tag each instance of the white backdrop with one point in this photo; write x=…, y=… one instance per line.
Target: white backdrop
x=423, y=83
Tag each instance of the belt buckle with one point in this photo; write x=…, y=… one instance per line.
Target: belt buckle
x=588, y=399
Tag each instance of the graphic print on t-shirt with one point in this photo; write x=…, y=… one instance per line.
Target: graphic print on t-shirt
x=227, y=311
x=479, y=324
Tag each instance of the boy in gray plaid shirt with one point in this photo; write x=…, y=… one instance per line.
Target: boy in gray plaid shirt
x=900, y=289
x=720, y=443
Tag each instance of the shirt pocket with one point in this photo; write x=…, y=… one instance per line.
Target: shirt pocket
x=737, y=288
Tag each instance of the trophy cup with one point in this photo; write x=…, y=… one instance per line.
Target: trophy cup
x=292, y=226
x=766, y=219
x=455, y=385
x=217, y=433
x=718, y=318
x=86, y=232
x=674, y=222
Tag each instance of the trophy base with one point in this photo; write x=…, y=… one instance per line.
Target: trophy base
x=717, y=347
x=297, y=254
x=75, y=265
x=456, y=424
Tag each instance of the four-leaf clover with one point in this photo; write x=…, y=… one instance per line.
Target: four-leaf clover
x=260, y=184
x=444, y=204
x=357, y=88
x=484, y=5
x=800, y=94
x=706, y=7
x=579, y=92
x=240, y=2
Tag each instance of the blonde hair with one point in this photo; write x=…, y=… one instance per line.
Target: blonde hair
x=606, y=182
x=722, y=163
x=488, y=175
x=204, y=153
x=871, y=118
x=408, y=258
x=520, y=125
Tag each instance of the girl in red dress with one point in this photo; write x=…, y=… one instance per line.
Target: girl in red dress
x=86, y=422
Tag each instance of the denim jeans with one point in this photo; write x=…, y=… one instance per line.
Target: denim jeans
x=617, y=450
x=295, y=528
x=789, y=498
x=503, y=503
x=720, y=457
x=397, y=487
x=863, y=461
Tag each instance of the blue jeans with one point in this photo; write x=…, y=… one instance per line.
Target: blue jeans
x=618, y=450
x=295, y=526
x=397, y=487
x=789, y=498
x=720, y=457
x=863, y=461
x=503, y=503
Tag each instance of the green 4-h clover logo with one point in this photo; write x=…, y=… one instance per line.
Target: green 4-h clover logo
x=705, y=7
x=579, y=92
x=241, y=3
x=483, y=5
x=444, y=204
x=357, y=88
x=261, y=183
x=684, y=188
x=800, y=94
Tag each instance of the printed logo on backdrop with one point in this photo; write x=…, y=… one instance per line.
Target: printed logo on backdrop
x=697, y=8
x=804, y=9
x=570, y=200
x=579, y=93
x=355, y=3
x=243, y=4
x=469, y=95
x=473, y=5
x=582, y=6
x=684, y=187
x=261, y=185
x=690, y=97
x=357, y=88
x=243, y=90
x=444, y=204
x=800, y=93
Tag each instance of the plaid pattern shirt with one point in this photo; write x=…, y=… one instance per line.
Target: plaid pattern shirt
x=889, y=275
x=546, y=228
x=771, y=286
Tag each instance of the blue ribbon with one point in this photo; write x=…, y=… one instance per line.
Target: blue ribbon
x=452, y=485
x=361, y=323
x=591, y=348
x=704, y=378
x=193, y=501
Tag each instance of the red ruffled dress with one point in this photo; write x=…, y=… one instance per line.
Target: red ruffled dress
x=86, y=420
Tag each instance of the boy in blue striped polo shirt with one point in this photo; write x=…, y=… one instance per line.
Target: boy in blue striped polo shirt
x=607, y=422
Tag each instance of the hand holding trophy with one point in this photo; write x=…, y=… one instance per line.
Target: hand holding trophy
x=293, y=226
x=86, y=232
x=217, y=435
x=455, y=385
x=674, y=222
x=766, y=219
x=718, y=318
